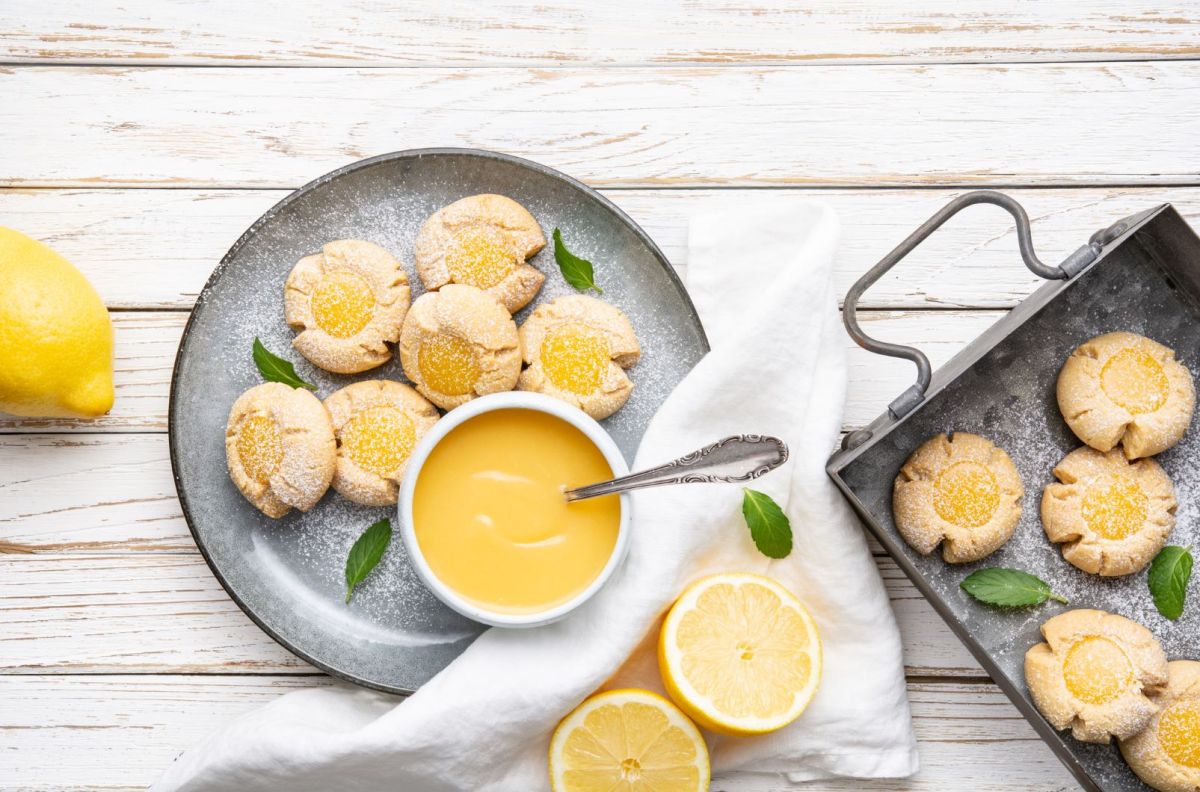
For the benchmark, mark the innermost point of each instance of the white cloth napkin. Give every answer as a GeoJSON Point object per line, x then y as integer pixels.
{"type": "Point", "coordinates": [761, 278]}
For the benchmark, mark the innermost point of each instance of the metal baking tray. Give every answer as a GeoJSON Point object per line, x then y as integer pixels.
{"type": "Point", "coordinates": [1142, 274]}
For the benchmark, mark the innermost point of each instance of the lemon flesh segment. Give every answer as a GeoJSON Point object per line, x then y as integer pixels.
{"type": "Point", "coordinates": [740, 654]}
{"type": "Point", "coordinates": [342, 303]}
{"type": "Point", "coordinates": [448, 365]}
{"type": "Point", "coordinates": [1135, 381]}
{"type": "Point", "coordinates": [56, 339]}
{"type": "Point", "coordinates": [479, 258]}
{"type": "Point", "coordinates": [575, 358]}
{"type": "Point", "coordinates": [1115, 507]}
{"type": "Point", "coordinates": [1096, 670]}
{"type": "Point", "coordinates": [629, 740]}
{"type": "Point", "coordinates": [1179, 733]}
{"type": "Point", "coordinates": [966, 494]}
{"type": "Point", "coordinates": [379, 440]}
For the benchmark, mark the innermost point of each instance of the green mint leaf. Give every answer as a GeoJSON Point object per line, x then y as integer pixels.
{"type": "Point", "coordinates": [365, 554]}
{"type": "Point", "coordinates": [1008, 588]}
{"type": "Point", "coordinates": [1168, 579]}
{"type": "Point", "coordinates": [275, 369]}
{"type": "Point", "coordinates": [769, 526]}
{"type": "Point", "coordinates": [577, 271]}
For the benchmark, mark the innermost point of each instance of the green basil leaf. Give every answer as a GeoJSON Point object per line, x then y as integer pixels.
{"type": "Point", "coordinates": [577, 271]}
{"type": "Point", "coordinates": [275, 369]}
{"type": "Point", "coordinates": [364, 556]}
{"type": "Point", "coordinates": [769, 526]}
{"type": "Point", "coordinates": [1168, 579]}
{"type": "Point", "coordinates": [1008, 588]}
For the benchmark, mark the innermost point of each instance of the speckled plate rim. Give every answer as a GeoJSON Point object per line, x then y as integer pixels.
{"type": "Point", "coordinates": [249, 233]}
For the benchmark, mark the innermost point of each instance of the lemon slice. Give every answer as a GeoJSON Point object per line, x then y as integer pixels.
{"type": "Point", "coordinates": [740, 654]}
{"type": "Point", "coordinates": [628, 740]}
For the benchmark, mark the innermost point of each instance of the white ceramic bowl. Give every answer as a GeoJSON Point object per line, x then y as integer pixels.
{"type": "Point", "coordinates": [506, 401]}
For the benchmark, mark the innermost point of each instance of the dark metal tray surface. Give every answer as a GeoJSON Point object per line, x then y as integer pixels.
{"type": "Point", "coordinates": [1141, 275]}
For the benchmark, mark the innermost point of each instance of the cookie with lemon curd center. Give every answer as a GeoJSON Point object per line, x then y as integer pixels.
{"type": "Point", "coordinates": [346, 304]}
{"type": "Point", "coordinates": [740, 654]}
{"type": "Point", "coordinates": [1096, 674]}
{"type": "Point", "coordinates": [960, 491]}
{"type": "Point", "coordinates": [482, 241]}
{"type": "Point", "coordinates": [458, 343]}
{"type": "Point", "coordinates": [1128, 390]}
{"type": "Point", "coordinates": [577, 349]}
{"type": "Point", "coordinates": [630, 740]}
{"type": "Point", "coordinates": [1166, 754]}
{"type": "Point", "coordinates": [280, 448]}
{"type": "Point", "coordinates": [1111, 516]}
{"type": "Point", "coordinates": [376, 423]}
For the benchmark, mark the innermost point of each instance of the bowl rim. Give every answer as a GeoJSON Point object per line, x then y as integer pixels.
{"type": "Point", "coordinates": [519, 400]}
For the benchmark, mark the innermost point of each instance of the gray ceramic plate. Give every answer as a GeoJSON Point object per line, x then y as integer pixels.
{"type": "Point", "coordinates": [287, 574]}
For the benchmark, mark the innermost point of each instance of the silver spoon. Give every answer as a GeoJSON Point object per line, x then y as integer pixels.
{"type": "Point", "coordinates": [737, 458]}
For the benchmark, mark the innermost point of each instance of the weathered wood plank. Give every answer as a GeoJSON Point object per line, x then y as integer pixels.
{"type": "Point", "coordinates": [363, 32]}
{"type": "Point", "coordinates": [119, 732]}
{"type": "Point", "coordinates": [146, 342]}
{"type": "Point", "coordinates": [145, 248]}
{"type": "Point", "coordinates": [78, 613]}
{"type": "Point", "coordinates": [640, 126]}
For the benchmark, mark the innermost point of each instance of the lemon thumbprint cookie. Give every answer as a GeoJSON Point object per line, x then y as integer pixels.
{"type": "Point", "coordinates": [376, 423]}
{"type": "Point", "coordinates": [458, 343]}
{"type": "Point", "coordinates": [960, 491]}
{"type": "Point", "coordinates": [1124, 388]}
{"type": "Point", "coordinates": [347, 302]}
{"type": "Point", "coordinates": [1110, 515]}
{"type": "Point", "coordinates": [1166, 754]}
{"type": "Point", "coordinates": [1095, 673]}
{"type": "Point", "coordinates": [482, 241]}
{"type": "Point", "coordinates": [279, 447]}
{"type": "Point", "coordinates": [577, 349]}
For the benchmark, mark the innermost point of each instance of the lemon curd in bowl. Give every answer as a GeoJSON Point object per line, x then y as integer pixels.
{"type": "Point", "coordinates": [486, 520]}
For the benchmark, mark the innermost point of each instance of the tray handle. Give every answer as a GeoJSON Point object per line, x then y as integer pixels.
{"type": "Point", "coordinates": [907, 401]}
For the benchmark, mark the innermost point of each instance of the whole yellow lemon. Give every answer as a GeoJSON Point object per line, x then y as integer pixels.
{"type": "Point", "coordinates": [56, 340]}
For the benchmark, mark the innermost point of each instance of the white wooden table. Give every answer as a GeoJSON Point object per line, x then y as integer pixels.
{"type": "Point", "coordinates": [140, 139]}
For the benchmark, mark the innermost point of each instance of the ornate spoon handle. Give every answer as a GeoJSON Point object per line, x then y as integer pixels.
{"type": "Point", "coordinates": [737, 458]}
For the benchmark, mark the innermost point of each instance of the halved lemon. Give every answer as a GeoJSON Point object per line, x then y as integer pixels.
{"type": "Point", "coordinates": [740, 654]}
{"type": "Point", "coordinates": [628, 740]}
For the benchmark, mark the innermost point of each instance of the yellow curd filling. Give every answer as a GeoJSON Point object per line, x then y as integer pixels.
{"type": "Point", "coordinates": [479, 257]}
{"type": "Point", "coordinates": [1179, 733]}
{"type": "Point", "coordinates": [966, 494]}
{"type": "Point", "coordinates": [491, 519]}
{"type": "Point", "coordinates": [448, 365]}
{"type": "Point", "coordinates": [1135, 381]}
{"type": "Point", "coordinates": [342, 303]}
{"type": "Point", "coordinates": [379, 440]}
{"type": "Point", "coordinates": [1096, 670]}
{"type": "Point", "coordinates": [1115, 507]}
{"type": "Point", "coordinates": [575, 358]}
{"type": "Point", "coordinates": [260, 447]}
